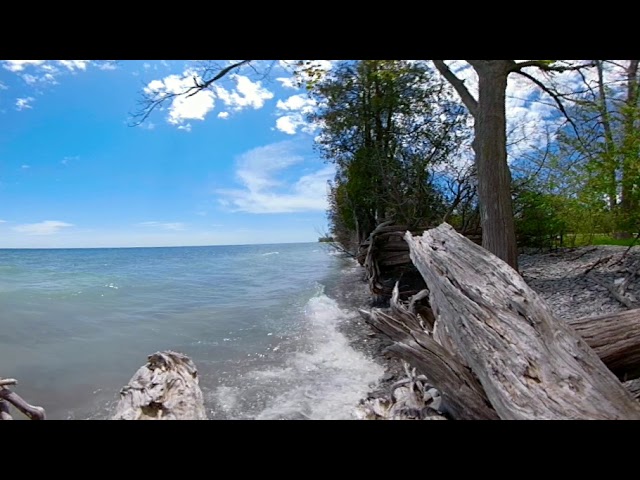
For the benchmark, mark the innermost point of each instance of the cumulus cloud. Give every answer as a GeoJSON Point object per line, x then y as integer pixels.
{"type": "Point", "coordinates": [296, 108]}
{"type": "Point", "coordinates": [19, 65]}
{"type": "Point", "coordinates": [74, 64]}
{"type": "Point", "coordinates": [176, 226]}
{"type": "Point", "coordinates": [45, 72]}
{"type": "Point", "coordinates": [262, 172]}
{"type": "Point", "coordinates": [107, 65]}
{"type": "Point", "coordinates": [182, 107]}
{"type": "Point", "coordinates": [24, 103]}
{"type": "Point", "coordinates": [246, 94]}
{"type": "Point", "coordinates": [48, 227]}
{"type": "Point", "coordinates": [288, 82]}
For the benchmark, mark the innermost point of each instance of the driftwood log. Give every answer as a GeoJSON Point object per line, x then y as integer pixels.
{"type": "Point", "coordinates": [615, 338]}
{"type": "Point", "coordinates": [166, 388]}
{"type": "Point", "coordinates": [529, 364]}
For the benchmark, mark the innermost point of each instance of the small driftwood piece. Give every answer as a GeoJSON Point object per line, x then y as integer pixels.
{"type": "Point", "coordinates": [634, 388]}
{"type": "Point", "coordinates": [462, 395]}
{"type": "Point", "coordinates": [166, 388]}
{"type": "Point", "coordinates": [530, 364]}
{"type": "Point", "coordinates": [614, 292]}
{"type": "Point", "coordinates": [9, 397]}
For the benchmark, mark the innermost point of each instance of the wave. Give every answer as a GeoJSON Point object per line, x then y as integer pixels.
{"type": "Point", "coordinates": [270, 253]}
{"type": "Point", "coordinates": [324, 380]}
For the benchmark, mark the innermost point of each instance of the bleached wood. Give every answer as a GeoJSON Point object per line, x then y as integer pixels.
{"type": "Point", "coordinates": [530, 364]}
{"type": "Point", "coordinates": [166, 388]}
{"type": "Point", "coordinates": [615, 337]}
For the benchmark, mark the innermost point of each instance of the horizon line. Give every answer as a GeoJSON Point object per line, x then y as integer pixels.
{"type": "Point", "coordinates": [160, 246]}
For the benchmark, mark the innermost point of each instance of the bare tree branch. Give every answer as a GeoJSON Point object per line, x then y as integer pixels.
{"type": "Point", "coordinates": [151, 101]}
{"type": "Point", "coordinates": [470, 102]}
{"type": "Point", "coordinates": [553, 95]}
{"type": "Point", "coordinates": [547, 67]}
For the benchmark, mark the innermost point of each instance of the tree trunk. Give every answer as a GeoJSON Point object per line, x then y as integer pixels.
{"type": "Point", "coordinates": [494, 177]}
{"type": "Point", "coordinates": [530, 364]}
{"type": "Point", "coordinates": [630, 151]}
{"type": "Point", "coordinates": [609, 153]}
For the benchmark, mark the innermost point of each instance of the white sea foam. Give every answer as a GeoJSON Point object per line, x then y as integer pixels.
{"type": "Point", "coordinates": [270, 253]}
{"type": "Point", "coordinates": [325, 380]}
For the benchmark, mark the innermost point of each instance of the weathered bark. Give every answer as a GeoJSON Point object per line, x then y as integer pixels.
{"type": "Point", "coordinates": [490, 146]}
{"type": "Point", "coordinates": [166, 388]}
{"type": "Point", "coordinates": [609, 153]}
{"type": "Point", "coordinates": [530, 364]}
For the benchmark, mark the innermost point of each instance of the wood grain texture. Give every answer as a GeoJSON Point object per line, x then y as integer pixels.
{"type": "Point", "coordinates": [615, 337]}
{"type": "Point", "coordinates": [166, 388]}
{"type": "Point", "coordinates": [462, 395]}
{"type": "Point", "coordinates": [530, 364]}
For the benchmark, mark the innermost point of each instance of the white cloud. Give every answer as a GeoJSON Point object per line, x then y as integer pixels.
{"type": "Point", "coordinates": [288, 124]}
{"type": "Point", "coordinates": [297, 107]}
{"type": "Point", "coordinates": [186, 128]}
{"type": "Point", "coordinates": [107, 65]}
{"type": "Point", "coordinates": [48, 227]}
{"type": "Point", "coordinates": [288, 82]}
{"type": "Point", "coordinates": [74, 64]}
{"type": "Point", "coordinates": [3, 221]}
{"type": "Point", "coordinates": [298, 102]}
{"type": "Point", "coordinates": [43, 72]}
{"type": "Point", "coordinates": [263, 192]}
{"type": "Point", "coordinates": [176, 226]}
{"type": "Point", "coordinates": [23, 103]}
{"type": "Point", "coordinates": [246, 94]}
{"type": "Point", "coordinates": [19, 65]}
{"type": "Point", "coordinates": [146, 66]}
{"type": "Point", "coordinates": [25, 167]}
{"type": "Point", "coordinates": [182, 107]}
{"type": "Point", "coordinates": [3, 86]}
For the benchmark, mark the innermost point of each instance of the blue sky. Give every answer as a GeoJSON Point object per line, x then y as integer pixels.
{"type": "Point", "coordinates": [233, 165]}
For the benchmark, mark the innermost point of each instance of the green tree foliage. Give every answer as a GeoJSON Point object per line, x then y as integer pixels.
{"type": "Point", "coordinates": [604, 144]}
{"type": "Point", "coordinates": [384, 124]}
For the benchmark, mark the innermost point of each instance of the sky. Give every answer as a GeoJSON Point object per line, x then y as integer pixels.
{"type": "Point", "coordinates": [231, 165]}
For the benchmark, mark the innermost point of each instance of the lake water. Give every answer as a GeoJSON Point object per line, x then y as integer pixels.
{"type": "Point", "coordinates": [261, 323]}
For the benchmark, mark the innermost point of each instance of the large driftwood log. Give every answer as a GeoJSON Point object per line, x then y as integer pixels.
{"type": "Point", "coordinates": [615, 338]}
{"type": "Point", "coordinates": [166, 388]}
{"type": "Point", "coordinates": [530, 364]}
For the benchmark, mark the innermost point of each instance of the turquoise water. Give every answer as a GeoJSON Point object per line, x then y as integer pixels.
{"type": "Point", "coordinates": [260, 322]}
